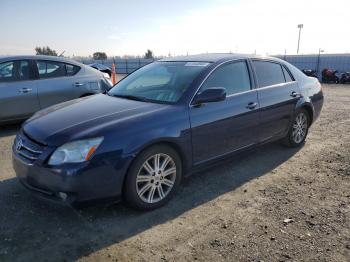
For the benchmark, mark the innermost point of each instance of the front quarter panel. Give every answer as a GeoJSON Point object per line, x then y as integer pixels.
{"type": "Point", "coordinates": [124, 141]}
{"type": "Point", "coordinates": [169, 125]}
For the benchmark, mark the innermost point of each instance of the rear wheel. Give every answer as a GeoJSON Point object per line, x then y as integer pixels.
{"type": "Point", "coordinates": [153, 178]}
{"type": "Point", "coordinates": [299, 129]}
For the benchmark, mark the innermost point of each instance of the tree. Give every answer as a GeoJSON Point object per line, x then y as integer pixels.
{"type": "Point", "coordinates": [99, 56]}
{"type": "Point", "coordinates": [149, 54]}
{"type": "Point", "coordinates": [45, 51]}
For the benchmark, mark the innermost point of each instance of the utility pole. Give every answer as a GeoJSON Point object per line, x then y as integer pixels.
{"type": "Point", "coordinates": [300, 26]}
{"type": "Point", "coordinates": [318, 59]}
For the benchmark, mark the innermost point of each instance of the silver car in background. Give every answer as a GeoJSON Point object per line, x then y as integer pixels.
{"type": "Point", "coordinates": [31, 83]}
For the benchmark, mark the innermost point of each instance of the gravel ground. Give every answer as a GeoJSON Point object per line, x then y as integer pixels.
{"type": "Point", "coordinates": [272, 204]}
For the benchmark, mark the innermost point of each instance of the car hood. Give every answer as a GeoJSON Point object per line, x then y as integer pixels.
{"type": "Point", "coordinates": [74, 119]}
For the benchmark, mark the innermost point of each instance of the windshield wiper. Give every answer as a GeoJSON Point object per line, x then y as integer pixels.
{"type": "Point", "coordinates": [131, 97]}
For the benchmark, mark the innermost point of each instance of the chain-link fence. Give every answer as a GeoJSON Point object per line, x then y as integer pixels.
{"type": "Point", "coordinates": [123, 66]}
{"type": "Point", "coordinates": [340, 62]}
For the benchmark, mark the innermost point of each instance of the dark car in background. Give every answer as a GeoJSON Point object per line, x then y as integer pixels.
{"type": "Point", "coordinates": [102, 68]}
{"type": "Point", "coordinates": [161, 123]}
{"type": "Point", "coordinates": [31, 83]}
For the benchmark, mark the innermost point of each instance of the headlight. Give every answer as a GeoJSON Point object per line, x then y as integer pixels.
{"type": "Point", "coordinates": [75, 152]}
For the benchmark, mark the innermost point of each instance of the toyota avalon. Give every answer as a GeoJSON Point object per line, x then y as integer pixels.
{"type": "Point", "coordinates": [140, 139]}
{"type": "Point", "coordinates": [31, 83]}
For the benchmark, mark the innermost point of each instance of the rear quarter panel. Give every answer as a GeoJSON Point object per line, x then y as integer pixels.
{"type": "Point", "coordinates": [311, 91]}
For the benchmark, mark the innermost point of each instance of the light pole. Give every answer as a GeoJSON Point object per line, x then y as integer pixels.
{"type": "Point", "coordinates": [300, 26]}
{"type": "Point", "coordinates": [318, 59]}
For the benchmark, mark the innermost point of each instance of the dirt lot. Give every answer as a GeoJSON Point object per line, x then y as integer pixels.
{"type": "Point", "coordinates": [274, 204]}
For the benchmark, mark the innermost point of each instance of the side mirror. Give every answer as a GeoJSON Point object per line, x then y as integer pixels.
{"type": "Point", "coordinates": [214, 94]}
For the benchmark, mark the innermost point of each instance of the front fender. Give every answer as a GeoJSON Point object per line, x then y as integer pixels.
{"type": "Point", "coordinates": [180, 140]}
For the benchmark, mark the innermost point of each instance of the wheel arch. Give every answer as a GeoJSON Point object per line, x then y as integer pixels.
{"type": "Point", "coordinates": [308, 107]}
{"type": "Point", "coordinates": [310, 112]}
{"type": "Point", "coordinates": [168, 143]}
{"type": "Point", "coordinates": [175, 146]}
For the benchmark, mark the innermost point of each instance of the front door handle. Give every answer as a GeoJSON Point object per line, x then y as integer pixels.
{"type": "Point", "coordinates": [78, 84]}
{"type": "Point", "coordinates": [294, 94]}
{"type": "Point", "coordinates": [252, 105]}
{"type": "Point", "coordinates": [25, 90]}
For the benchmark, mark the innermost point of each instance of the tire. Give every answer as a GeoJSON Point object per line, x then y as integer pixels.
{"type": "Point", "coordinates": [292, 139]}
{"type": "Point", "coordinates": [145, 188]}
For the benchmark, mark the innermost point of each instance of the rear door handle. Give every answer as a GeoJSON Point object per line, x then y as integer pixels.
{"type": "Point", "coordinates": [25, 90]}
{"type": "Point", "coordinates": [78, 84]}
{"type": "Point", "coordinates": [252, 105]}
{"type": "Point", "coordinates": [294, 94]}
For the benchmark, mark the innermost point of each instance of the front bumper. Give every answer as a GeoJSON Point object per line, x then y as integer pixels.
{"type": "Point", "coordinates": [69, 183]}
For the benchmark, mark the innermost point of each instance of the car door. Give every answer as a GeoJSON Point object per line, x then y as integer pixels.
{"type": "Point", "coordinates": [278, 95]}
{"type": "Point", "coordinates": [219, 128]}
{"type": "Point", "coordinates": [18, 90]}
{"type": "Point", "coordinates": [57, 82]}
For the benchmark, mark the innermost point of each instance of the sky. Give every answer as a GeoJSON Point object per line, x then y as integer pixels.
{"type": "Point", "coordinates": [175, 27]}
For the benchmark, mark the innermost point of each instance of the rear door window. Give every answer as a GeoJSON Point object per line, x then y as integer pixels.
{"type": "Point", "coordinates": [50, 69]}
{"type": "Point", "coordinates": [268, 73]}
{"type": "Point", "coordinates": [53, 69]}
{"type": "Point", "coordinates": [71, 70]}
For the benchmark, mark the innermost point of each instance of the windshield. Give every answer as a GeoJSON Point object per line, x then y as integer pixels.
{"type": "Point", "coordinates": [163, 82]}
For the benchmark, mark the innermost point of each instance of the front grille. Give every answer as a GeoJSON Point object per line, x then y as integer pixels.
{"type": "Point", "coordinates": [27, 148]}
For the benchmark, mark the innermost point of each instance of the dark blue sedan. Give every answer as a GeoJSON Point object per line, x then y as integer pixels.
{"type": "Point", "coordinates": [159, 124]}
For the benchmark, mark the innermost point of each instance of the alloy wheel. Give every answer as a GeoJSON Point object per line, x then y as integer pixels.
{"type": "Point", "coordinates": [156, 178]}
{"type": "Point", "coordinates": [299, 128]}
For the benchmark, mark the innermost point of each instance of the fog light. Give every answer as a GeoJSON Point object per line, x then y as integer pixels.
{"type": "Point", "coordinates": [62, 195]}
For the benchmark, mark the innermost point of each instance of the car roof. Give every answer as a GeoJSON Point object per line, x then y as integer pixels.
{"type": "Point", "coordinates": [39, 57]}
{"type": "Point", "coordinates": [211, 57]}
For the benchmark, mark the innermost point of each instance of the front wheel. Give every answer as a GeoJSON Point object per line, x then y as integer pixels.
{"type": "Point", "coordinates": [299, 129]}
{"type": "Point", "coordinates": [153, 178]}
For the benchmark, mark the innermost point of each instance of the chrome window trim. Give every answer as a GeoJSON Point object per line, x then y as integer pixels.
{"type": "Point", "coordinates": [272, 86]}
{"type": "Point", "coordinates": [240, 93]}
